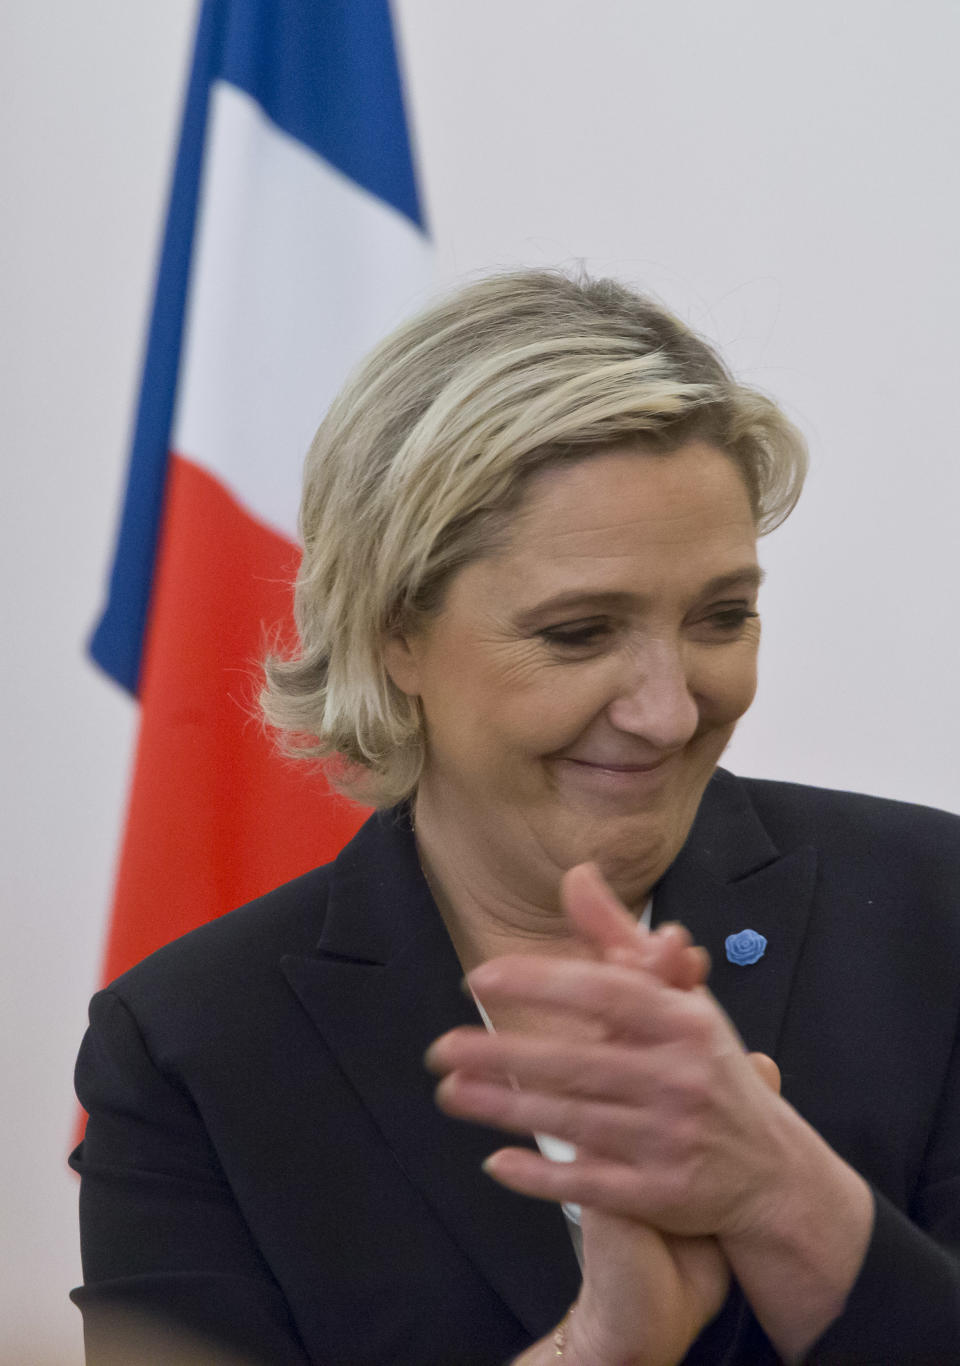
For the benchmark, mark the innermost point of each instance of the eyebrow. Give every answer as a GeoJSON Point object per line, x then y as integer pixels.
{"type": "Point", "coordinates": [750, 577]}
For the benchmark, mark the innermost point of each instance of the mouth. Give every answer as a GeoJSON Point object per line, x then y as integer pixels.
{"type": "Point", "coordinates": [610, 766]}
{"type": "Point", "coordinates": [617, 779]}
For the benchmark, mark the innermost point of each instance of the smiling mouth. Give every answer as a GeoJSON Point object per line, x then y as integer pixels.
{"type": "Point", "coordinates": [618, 780]}
{"type": "Point", "coordinates": [605, 767]}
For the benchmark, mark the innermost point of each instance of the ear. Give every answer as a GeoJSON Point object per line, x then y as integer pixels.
{"type": "Point", "coordinates": [400, 662]}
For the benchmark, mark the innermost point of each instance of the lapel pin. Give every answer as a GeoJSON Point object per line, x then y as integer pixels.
{"type": "Point", "coordinates": [745, 948]}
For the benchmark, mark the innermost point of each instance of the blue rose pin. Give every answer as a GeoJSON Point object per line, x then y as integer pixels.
{"type": "Point", "coordinates": [745, 948]}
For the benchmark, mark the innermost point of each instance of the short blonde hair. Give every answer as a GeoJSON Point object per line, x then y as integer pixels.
{"type": "Point", "coordinates": [425, 453]}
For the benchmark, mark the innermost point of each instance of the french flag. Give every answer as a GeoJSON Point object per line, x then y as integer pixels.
{"type": "Point", "coordinates": [295, 239]}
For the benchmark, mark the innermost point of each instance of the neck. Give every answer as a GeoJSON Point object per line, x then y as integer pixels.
{"type": "Point", "coordinates": [485, 915]}
{"type": "Point", "coordinates": [489, 906]}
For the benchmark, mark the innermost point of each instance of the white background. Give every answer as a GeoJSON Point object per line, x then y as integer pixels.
{"type": "Point", "coordinates": [784, 176]}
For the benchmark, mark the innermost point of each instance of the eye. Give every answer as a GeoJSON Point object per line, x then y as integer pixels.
{"type": "Point", "coordinates": [730, 619]}
{"type": "Point", "coordinates": [577, 635]}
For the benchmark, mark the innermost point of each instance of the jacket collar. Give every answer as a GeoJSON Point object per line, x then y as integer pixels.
{"type": "Point", "coordinates": [731, 877]}
{"type": "Point", "coordinates": [385, 982]}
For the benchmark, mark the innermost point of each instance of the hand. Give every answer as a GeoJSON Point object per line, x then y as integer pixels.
{"type": "Point", "coordinates": [646, 1295]}
{"type": "Point", "coordinates": [674, 1125]}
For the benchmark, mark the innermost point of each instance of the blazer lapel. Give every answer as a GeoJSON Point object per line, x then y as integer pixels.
{"type": "Point", "coordinates": [728, 878]}
{"type": "Point", "coordinates": [384, 984]}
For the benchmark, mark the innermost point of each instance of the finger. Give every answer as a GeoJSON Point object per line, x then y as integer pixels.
{"type": "Point", "coordinates": [587, 1181]}
{"type": "Point", "coordinates": [627, 1003]}
{"type": "Point", "coordinates": [667, 953]}
{"type": "Point", "coordinates": [662, 951]}
{"type": "Point", "coordinates": [601, 918]}
{"type": "Point", "coordinates": [766, 1069]}
{"type": "Point", "coordinates": [693, 968]}
{"type": "Point", "coordinates": [609, 1130]}
{"type": "Point", "coordinates": [600, 1072]}
{"type": "Point", "coordinates": [596, 912]}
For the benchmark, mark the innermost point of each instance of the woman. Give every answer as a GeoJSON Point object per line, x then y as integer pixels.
{"type": "Point", "coordinates": [527, 611]}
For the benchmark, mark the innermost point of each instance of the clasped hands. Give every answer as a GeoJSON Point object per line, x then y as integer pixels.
{"type": "Point", "coordinates": [675, 1126]}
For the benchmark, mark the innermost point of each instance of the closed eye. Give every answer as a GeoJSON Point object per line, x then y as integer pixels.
{"type": "Point", "coordinates": [730, 620]}
{"type": "Point", "coordinates": [577, 635]}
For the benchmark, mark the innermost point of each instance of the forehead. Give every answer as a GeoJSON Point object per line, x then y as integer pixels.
{"type": "Point", "coordinates": [691, 505]}
{"type": "Point", "coordinates": [646, 528]}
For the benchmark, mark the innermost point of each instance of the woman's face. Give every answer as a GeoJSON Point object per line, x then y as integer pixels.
{"type": "Point", "coordinates": [580, 684]}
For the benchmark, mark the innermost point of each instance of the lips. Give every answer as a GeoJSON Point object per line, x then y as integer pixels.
{"type": "Point", "coordinates": [618, 766]}
{"type": "Point", "coordinates": [617, 780]}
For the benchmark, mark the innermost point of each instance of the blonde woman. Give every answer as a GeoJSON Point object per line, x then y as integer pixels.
{"type": "Point", "coordinates": [528, 622]}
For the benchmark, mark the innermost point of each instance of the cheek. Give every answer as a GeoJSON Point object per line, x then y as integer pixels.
{"type": "Point", "coordinates": [724, 684]}
{"type": "Point", "coordinates": [562, 701]}
{"type": "Point", "coordinates": [536, 715]}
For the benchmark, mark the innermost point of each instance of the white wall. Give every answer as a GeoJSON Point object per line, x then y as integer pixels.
{"type": "Point", "coordinates": [90, 101]}
{"type": "Point", "coordinates": [784, 176]}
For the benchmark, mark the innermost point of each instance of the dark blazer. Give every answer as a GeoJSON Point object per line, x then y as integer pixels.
{"type": "Point", "coordinates": [264, 1162]}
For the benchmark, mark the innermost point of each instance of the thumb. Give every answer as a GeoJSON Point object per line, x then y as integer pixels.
{"type": "Point", "coordinates": [766, 1069]}
{"type": "Point", "coordinates": [595, 911]}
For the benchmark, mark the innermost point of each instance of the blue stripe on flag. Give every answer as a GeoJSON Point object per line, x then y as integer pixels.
{"type": "Point", "coordinates": [325, 71]}
{"type": "Point", "coordinates": [117, 641]}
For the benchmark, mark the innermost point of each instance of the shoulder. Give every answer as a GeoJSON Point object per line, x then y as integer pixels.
{"type": "Point", "coordinates": [288, 919]}
{"type": "Point", "coordinates": [229, 977]}
{"type": "Point", "coordinates": [887, 850]}
{"type": "Point", "coordinates": [225, 972]}
{"type": "Point", "coordinates": [794, 813]}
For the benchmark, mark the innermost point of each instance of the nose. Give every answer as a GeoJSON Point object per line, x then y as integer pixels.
{"type": "Point", "coordinates": [656, 704]}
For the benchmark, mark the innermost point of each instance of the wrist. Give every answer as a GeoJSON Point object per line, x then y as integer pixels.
{"type": "Point", "coordinates": [585, 1339]}
{"type": "Point", "coordinates": [799, 1248]}
{"type": "Point", "coordinates": [552, 1347]}
{"type": "Point", "coordinates": [561, 1331]}
{"type": "Point", "coordinates": [811, 1189]}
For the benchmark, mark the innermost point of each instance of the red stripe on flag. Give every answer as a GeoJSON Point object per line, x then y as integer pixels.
{"type": "Point", "coordinates": [216, 816]}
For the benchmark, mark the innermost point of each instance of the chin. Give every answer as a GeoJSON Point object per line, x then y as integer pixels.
{"type": "Point", "coordinates": [633, 857]}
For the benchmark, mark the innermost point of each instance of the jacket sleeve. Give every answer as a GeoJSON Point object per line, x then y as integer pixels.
{"type": "Point", "coordinates": [905, 1304]}
{"type": "Point", "coordinates": [171, 1271]}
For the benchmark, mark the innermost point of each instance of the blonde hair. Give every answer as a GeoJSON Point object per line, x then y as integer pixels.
{"type": "Point", "coordinates": [425, 453]}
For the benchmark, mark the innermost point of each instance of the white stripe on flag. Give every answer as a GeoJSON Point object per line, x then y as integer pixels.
{"type": "Point", "coordinates": [297, 273]}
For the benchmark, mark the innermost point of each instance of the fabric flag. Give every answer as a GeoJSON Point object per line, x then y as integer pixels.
{"type": "Point", "coordinates": [294, 241]}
